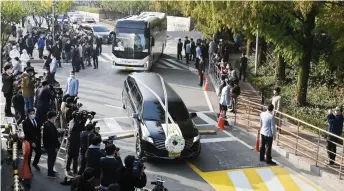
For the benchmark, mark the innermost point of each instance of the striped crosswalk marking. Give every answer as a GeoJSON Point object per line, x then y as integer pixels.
{"type": "Point", "coordinates": [107, 56]}
{"type": "Point", "coordinates": [101, 59]}
{"type": "Point", "coordinates": [113, 125]}
{"type": "Point", "coordinates": [256, 179]}
{"type": "Point", "coordinates": [168, 64]}
{"type": "Point", "coordinates": [177, 63]}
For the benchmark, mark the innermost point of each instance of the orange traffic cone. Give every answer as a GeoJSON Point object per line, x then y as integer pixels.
{"type": "Point", "coordinates": [206, 86]}
{"type": "Point", "coordinates": [221, 122]}
{"type": "Point", "coordinates": [257, 142]}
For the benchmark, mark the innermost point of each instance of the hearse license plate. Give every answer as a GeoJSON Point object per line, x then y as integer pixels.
{"type": "Point", "coordinates": [173, 154]}
{"type": "Point", "coordinates": [129, 68]}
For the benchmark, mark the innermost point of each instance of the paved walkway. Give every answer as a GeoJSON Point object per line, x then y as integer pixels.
{"type": "Point", "coordinates": [249, 122]}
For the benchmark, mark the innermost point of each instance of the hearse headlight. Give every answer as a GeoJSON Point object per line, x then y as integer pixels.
{"type": "Point", "coordinates": [195, 139]}
{"type": "Point", "coordinates": [146, 134]}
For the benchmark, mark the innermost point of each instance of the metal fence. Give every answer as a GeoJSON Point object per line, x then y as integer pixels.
{"type": "Point", "coordinates": [12, 137]}
{"type": "Point", "coordinates": [310, 143]}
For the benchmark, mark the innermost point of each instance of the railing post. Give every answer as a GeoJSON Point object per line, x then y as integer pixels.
{"type": "Point", "coordinates": [297, 137]}
{"type": "Point", "coordinates": [318, 147]}
{"type": "Point", "coordinates": [341, 162]}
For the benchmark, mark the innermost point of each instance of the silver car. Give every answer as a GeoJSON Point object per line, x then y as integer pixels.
{"type": "Point", "coordinates": [99, 31]}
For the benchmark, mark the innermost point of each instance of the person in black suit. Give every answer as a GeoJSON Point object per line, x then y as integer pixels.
{"type": "Point", "coordinates": [51, 142]}
{"type": "Point", "coordinates": [43, 98]}
{"type": "Point", "coordinates": [179, 49]}
{"type": "Point", "coordinates": [76, 125]}
{"type": "Point", "coordinates": [7, 88]}
{"type": "Point", "coordinates": [93, 156]}
{"type": "Point", "coordinates": [99, 44]}
{"type": "Point", "coordinates": [110, 166]}
{"type": "Point", "coordinates": [201, 70]}
{"type": "Point", "coordinates": [95, 54]}
{"type": "Point", "coordinates": [84, 182]}
{"type": "Point", "coordinates": [57, 50]}
{"type": "Point", "coordinates": [33, 134]}
{"type": "Point", "coordinates": [84, 144]}
{"type": "Point", "coordinates": [128, 181]}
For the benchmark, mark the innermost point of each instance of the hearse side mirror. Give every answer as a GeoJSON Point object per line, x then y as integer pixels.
{"type": "Point", "coordinates": [135, 116]}
{"type": "Point", "coordinates": [193, 115]}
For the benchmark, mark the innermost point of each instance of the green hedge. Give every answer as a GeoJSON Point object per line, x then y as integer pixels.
{"type": "Point", "coordinates": [319, 98]}
{"type": "Point", "coordinates": [87, 9]}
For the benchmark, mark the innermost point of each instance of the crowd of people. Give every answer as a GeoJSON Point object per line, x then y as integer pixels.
{"type": "Point", "coordinates": [39, 112]}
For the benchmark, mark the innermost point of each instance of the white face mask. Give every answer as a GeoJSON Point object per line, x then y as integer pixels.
{"type": "Point", "coordinates": [9, 71]}
{"type": "Point", "coordinates": [72, 75]}
{"type": "Point", "coordinates": [32, 116]}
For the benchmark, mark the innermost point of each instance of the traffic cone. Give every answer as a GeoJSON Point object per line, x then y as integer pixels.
{"type": "Point", "coordinates": [206, 86]}
{"type": "Point", "coordinates": [221, 121]}
{"type": "Point", "coordinates": [257, 142]}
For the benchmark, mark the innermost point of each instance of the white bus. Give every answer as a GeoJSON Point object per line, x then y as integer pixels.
{"type": "Point", "coordinates": [139, 41]}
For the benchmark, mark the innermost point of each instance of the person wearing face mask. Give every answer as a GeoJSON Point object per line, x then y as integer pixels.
{"type": "Point", "coordinates": [52, 68]}
{"type": "Point", "coordinates": [49, 43]}
{"type": "Point", "coordinates": [24, 58]}
{"type": "Point", "coordinates": [51, 142]}
{"type": "Point", "coordinates": [30, 45]}
{"type": "Point", "coordinates": [81, 53]}
{"type": "Point", "coordinates": [19, 31]}
{"type": "Point", "coordinates": [41, 45]}
{"type": "Point", "coordinates": [33, 134]}
{"type": "Point", "coordinates": [14, 53]}
{"type": "Point", "coordinates": [57, 52]}
{"type": "Point", "coordinates": [17, 67]}
{"type": "Point", "coordinates": [28, 88]}
{"type": "Point", "coordinates": [72, 85]}
{"type": "Point", "coordinates": [7, 88]}
{"type": "Point", "coordinates": [67, 50]}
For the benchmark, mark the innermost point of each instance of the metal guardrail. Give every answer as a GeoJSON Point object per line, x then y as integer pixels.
{"type": "Point", "coordinates": [11, 132]}
{"type": "Point", "coordinates": [290, 134]}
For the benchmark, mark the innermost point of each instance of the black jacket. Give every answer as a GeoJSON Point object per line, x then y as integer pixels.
{"type": "Point", "coordinates": [201, 67]}
{"type": "Point", "coordinates": [79, 184]}
{"type": "Point", "coordinates": [18, 102]}
{"type": "Point", "coordinates": [128, 182]}
{"type": "Point", "coordinates": [110, 170]}
{"type": "Point", "coordinates": [68, 47]}
{"type": "Point", "coordinates": [95, 52]}
{"type": "Point", "coordinates": [44, 96]}
{"type": "Point", "coordinates": [180, 46]}
{"type": "Point", "coordinates": [32, 133]}
{"type": "Point", "coordinates": [57, 52]}
{"type": "Point", "coordinates": [84, 142]}
{"type": "Point", "coordinates": [193, 46]}
{"type": "Point", "coordinates": [93, 156]}
{"type": "Point", "coordinates": [7, 83]}
{"type": "Point", "coordinates": [74, 137]}
{"type": "Point", "coordinates": [50, 136]}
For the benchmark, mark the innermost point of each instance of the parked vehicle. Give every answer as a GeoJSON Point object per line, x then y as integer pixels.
{"type": "Point", "coordinates": [87, 20]}
{"type": "Point", "coordinates": [148, 116]}
{"type": "Point", "coordinates": [62, 19]}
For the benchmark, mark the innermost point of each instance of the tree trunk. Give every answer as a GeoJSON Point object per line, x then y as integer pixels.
{"type": "Point", "coordinates": [23, 22]}
{"type": "Point", "coordinates": [280, 70]}
{"type": "Point", "coordinates": [262, 51]}
{"type": "Point", "coordinates": [248, 46]}
{"type": "Point", "coordinates": [304, 67]}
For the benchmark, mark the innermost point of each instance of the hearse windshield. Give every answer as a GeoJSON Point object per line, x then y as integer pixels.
{"type": "Point", "coordinates": [153, 111]}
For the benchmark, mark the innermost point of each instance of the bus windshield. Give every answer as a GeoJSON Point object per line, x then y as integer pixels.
{"type": "Point", "coordinates": [131, 44]}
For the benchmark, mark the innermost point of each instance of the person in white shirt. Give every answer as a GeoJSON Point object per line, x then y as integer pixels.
{"type": "Point", "coordinates": [267, 134]}
{"type": "Point", "coordinates": [225, 98]}
{"type": "Point", "coordinates": [14, 53]}
{"type": "Point", "coordinates": [28, 27]}
{"type": "Point", "coordinates": [24, 58]}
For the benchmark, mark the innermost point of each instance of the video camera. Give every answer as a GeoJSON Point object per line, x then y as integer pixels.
{"type": "Point", "coordinates": [109, 140]}
{"type": "Point", "coordinates": [138, 166]}
{"type": "Point", "coordinates": [159, 184]}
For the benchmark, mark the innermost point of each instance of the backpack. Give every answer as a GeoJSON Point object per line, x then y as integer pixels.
{"type": "Point", "coordinates": [235, 91]}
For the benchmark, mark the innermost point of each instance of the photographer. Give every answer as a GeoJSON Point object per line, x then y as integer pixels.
{"type": "Point", "coordinates": [93, 156]}
{"type": "Point", "coordinates": [130, 179]}
{"type": "Point", "coordinates": [84, 182]}
{"type": "Point", "coordinates": [110, 166]}
{"type": "Point", "coordinates": [69, 109]}
{"type": "Point", "coordinates": [84, 144]}
{"type": "Point", "coordinates": [75, 126]}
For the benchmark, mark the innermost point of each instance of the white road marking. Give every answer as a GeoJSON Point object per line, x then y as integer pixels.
{"type": "Point", "coordinates": [189, 87]}
{"type": "Point", "coordinates": [118, 107]}
{"type": "Point", "coordinates": [101, 59]}
{"type": "Point", "coordinates": [270, 179]}
{"type": "Point", "coordinates": [202, 125]}
{"type": "Point", "coordinates": [113, 125]}
{"type": "Point", "coordinates": [107, 56]}
{"type": "Point", "coordinates": [216, 140]}
{"type": "Point", "coordinates": [242, 142]}
{"type": "Point", "coordinates": [115, 133]}
{"type": "Point", "coordinates": [177, 63]}
{"type": "Point", "coordinates": [207, 119]}
{"type": "Point", "coordinates": [208, 101]}
{"type": "Point", "coordinates": [302, 184]}
{"type": "Point", "coordinates": [240, 181]}
{"type": "Point", "coordinates": [170, 65]}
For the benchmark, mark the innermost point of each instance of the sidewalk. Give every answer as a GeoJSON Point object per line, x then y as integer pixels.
{"type": "Point", "coordinates": [249, 124]}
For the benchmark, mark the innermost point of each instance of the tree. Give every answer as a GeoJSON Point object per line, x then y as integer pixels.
{"type": "Point", "coordinates": [126, 7]}
{"type": "Point", "coordinates": [11, 12]}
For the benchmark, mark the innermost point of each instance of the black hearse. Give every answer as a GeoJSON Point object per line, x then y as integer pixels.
{"type": "Point", "coordinates": [148, 116]}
